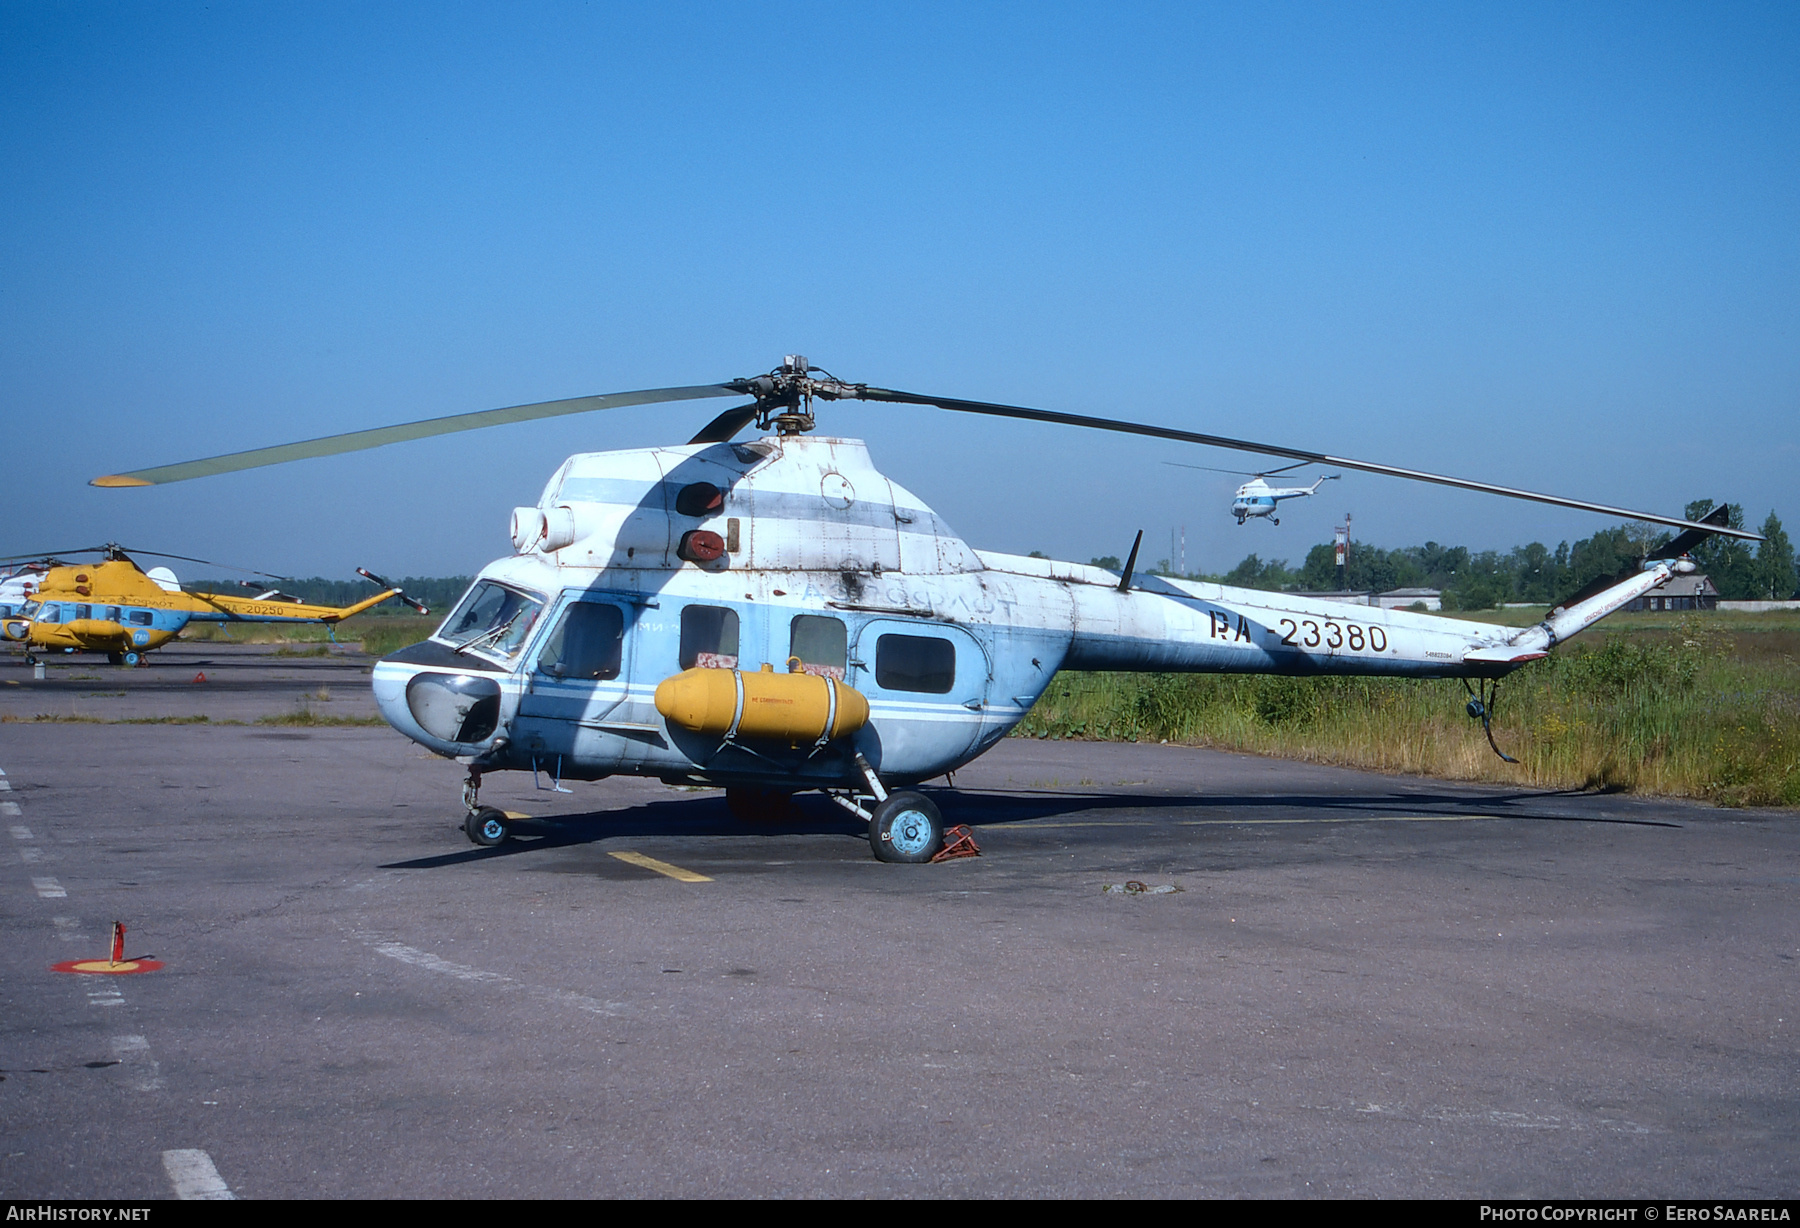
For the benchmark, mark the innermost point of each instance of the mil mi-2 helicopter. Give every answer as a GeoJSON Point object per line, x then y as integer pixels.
{"type": "Point", "coordinates": [18, 581]}
{"type": "Point", "coordinates": [775, 616]}
{"type": "Point", "coordinates": [116, 607]}
{"type": "Point", "coordinates": [1256, 497]}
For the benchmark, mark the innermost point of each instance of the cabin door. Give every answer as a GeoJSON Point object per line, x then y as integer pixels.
{"type": "Point", "coordinates": [927, 686]}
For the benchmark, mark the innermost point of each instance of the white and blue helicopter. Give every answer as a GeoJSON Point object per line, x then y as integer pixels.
{"type": "Point", "coordinates": [775, 616]}
{"type": "Point", "coordinates": [1256, 497]}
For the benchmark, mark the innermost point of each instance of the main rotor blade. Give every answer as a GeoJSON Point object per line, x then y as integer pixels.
{"type": "Point", "coordinates": [1266, 473]}
{"type": "Point", "coordinates": [727, 424]}
{"type": "Point", "coordinates": [46, 554]}
{"type": "Point", "coordinates": [356, 441]}
{"type": "Point", "coordinates": [1267, 449]}
{"type": "Point", "coordinates": [188, 558]}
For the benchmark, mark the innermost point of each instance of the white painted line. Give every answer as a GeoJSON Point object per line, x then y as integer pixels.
{"type": "Point", "coordinates": [423, 959]}
{"type": "Point", "coordinates": [21, 832]}
{"type": "Point", "coordinates": [10, 808]}
{"type": "Point", "coordinates": [432, 963]}
{"type": "Point", "coordinates": [134, 1055]}
{"type": "Point", "coordinates": [5, 784]}
{"type": "Point", "coordinates": [192, 1174]}
{"type": "Point", "coordinates": [49, 888]}
{"type": "Point", "coordinates": [67, 928]}
{"type": "Point", "coordinates": [105, 997]}
{"type": "Point", "coordinates": [31, 854]}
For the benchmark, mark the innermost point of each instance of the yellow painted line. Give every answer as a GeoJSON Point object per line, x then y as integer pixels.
{"type": "Point", "coordinates": [515, 814]}
{"type": "Point", "coordinates": [662, 867]}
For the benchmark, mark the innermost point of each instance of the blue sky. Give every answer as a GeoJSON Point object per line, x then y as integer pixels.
{"type": "Point", "coordinates": [1551, 246]}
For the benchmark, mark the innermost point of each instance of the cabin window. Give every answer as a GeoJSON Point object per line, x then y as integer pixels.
{"type": "Point", "coordinates": [84, 611]}
{"type": "Point", "coordinates": [709, 637]}
{"type": "Point", "coordinates": [587, 645]}
{"type": "Point", "coordinates": [822, 644]}
{"type": "Point", "coordinates": [42, 613]}
{"type": "Point", "coordinates": [915, 663]}
{"type": "Point", "coordinates": [493, 618]}
{"type": "Point", "coordinates": [112, 613]}
{"type": "Point", "coordinates": [140, 618]}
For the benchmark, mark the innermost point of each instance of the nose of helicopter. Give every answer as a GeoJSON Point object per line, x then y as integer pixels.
{"type": "Point", "coordinates": [453, 712]}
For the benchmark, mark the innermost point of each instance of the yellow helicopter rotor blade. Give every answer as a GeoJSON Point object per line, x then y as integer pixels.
{"type": "Point", "coordinates": [356, 441]}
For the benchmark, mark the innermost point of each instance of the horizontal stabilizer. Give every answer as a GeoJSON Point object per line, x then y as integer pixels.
{"type": "Point", "coordinates": [1504, 655]}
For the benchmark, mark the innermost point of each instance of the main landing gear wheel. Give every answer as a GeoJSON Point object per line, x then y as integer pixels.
{"type": "Point", "coordinates": [906, 827]}
{"type": "Point", "coordinates": [487, 827]}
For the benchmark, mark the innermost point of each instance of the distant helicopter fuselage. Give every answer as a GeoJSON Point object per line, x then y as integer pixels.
{"type": "Point", "coordinates": [789, 571]}
{"type": "Point", "coordinates": [113, 606]}
{"type": "Point", "coordinates": [1257, 498]}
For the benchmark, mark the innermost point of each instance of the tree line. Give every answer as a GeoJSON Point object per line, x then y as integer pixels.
{"type": "Point", "coordinates": [1536, 574]}
{"type": "Point", "coordinates": [1469, 580]}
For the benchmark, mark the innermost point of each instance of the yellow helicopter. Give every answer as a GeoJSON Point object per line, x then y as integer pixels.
{"type": "Point", "coordinates": [116, 607]}
{"type": "Point", "coordinates": [777, 615]}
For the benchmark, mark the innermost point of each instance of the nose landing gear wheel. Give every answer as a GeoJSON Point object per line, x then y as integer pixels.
{"type": "Point", "coordinates": [906, 828]}
{"type": "Point", "coordinates": [487, 827]}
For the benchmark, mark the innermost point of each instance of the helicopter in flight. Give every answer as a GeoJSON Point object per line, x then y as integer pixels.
{"type": "Point", "coordinates": [776, 615]}
{"type": "Point", "coordinates": [116, 607]}
{"type": "Point", "coordinates": [1256, 497]}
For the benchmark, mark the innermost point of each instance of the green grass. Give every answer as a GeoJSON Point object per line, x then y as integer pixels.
{"type": "Point", "coordinates": [307, 717]}
{"type": "Point", "coordinates": [376, 636]}
{"type": "Point", "coordinates": [1698, 707]}
{"type": "Point", "coordinates": [394, 633]}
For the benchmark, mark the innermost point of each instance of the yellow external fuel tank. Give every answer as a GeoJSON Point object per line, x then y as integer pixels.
{"type": "Point", "coordinates": [799, 709]}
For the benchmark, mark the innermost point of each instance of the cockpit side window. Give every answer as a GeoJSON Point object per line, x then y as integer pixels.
{"type": "Point", "coordinates": [587, 645]}
{"type": "Point", "coordinates": [822, 643]}
{"type": "Point", "coordinates": [709, 637]}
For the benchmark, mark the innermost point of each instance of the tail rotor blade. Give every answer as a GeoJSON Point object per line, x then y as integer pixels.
{"type": "Point", "coordinates": [399, 592]}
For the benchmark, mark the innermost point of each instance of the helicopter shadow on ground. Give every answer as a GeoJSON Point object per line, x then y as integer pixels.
{"type": "Point", "coordinates": [1028, 805]}
{"type": "Point", "coordinates": [680, 817]}
{"type": "Point", "coordinates": [813, 816]}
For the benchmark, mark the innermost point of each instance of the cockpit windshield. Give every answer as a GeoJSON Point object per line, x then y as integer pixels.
{"type": "Point", "coordinates": [29, 609]}
{"type": "Point", "coordinates": [492, 619]}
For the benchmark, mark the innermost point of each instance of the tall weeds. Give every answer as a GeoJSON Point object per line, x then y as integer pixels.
{"type": "Point", "coordinates": [1679, 713]}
